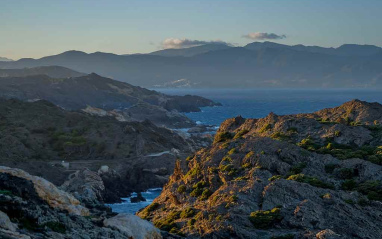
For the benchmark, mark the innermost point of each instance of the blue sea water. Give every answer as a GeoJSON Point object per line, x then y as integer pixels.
{"type": "Point", "coordinates": [255, 103]}
{"type": "Point", "coordinates": [128, 207]}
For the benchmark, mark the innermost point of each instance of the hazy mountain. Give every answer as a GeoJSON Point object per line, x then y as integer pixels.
{"type": "Point", "coordinates": [255, 65]}
{"type": "Point", "coordinates": [191, 51]}
{"type": "Point", "coordinates": [5, 59]}
{"type": "Point", "coordinates": [344, 50]}
{"type": "Point", "coordinates": [52, 71]}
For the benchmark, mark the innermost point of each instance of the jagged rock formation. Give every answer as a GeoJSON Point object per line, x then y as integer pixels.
{"type": "Point", "coordinates": [38, 136]}
{"type": "Point", "coordinates": [313, 175]}
{"type": "Point", "coordinates": [31, 207]}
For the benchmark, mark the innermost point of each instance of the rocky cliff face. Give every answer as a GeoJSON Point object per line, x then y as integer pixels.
{"type": "Point", "coordinates": [38, 136]}
{"type": "Point", "coordinates": [313, 175]}
{"type": "Point", "coordinates": [31, 207]}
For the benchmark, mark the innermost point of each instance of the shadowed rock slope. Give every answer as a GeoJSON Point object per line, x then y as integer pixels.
{"type": "Point", "coordinates": [37, 136]}
{"type": "Point", "coordinates": [295, 176]}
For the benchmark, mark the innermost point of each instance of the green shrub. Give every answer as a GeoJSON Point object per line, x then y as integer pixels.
{"type": "Point", "coordinates": [265, 127]}
{"type": "Point", "coordinates": [280, 136]}
{"type": "Point", "coordinates": [265, 219]}
{"type": "Point", "coordinates": [308, 144]}
{"type": "Point", "coordinates": [201, 184]}
{"type": "Point", "coordinates": [286, 236]}
{"type": "Point", "coordinates": [191, 222]}
{"type": "Point", "coordinates": [181, 189]}
{"type": "Point", "coordinates": [275, 177]}
{"type": "Point", "coordinates": [247, 165]}
{"type": "Point", "coordinates": [205, 194]}
{"type": "Point", "coordinates": [348, 185]}
{"type": "Point", "coordinates": [329, 168]}
{"type": "Point", "coordinates": [222, 137]}
{"type": "Point", "coordinates": [292, 130]}
{"type": "Point", "coordinates": [373, 190]}
{"type": "Point", "coordinates": [346, 173]}
{"type": "Point", "coordinates": [310, 180]}
{"type": "Point", "coordinates": [296, 169]}
{"type": "Point", "coordinates": [187, 213]}
{"type": "Point", "coordinates": [196, 192]}
{"type": "Point", "coordinates": [6, 192]}
{"type": "Point", "coordinates": [349, 201]}
{"type": "Point", "coordinates": [240, 133]}
{"type": "Point", "coordinates": [167, 223]}
{"type": "Point", "coordinates": [232, 151]}
{"type": "Point", "coordinates": [227, 159]}
{"type": "Point", "coordinates": [56, 227]}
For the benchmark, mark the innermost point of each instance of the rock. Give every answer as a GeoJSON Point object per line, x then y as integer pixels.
{"type": "Point", "coordinates": [138, 198]}
{"type": "Point", "coordinates": [327, 234]}
{"type": "Point", "coordinates": [86, 186]}
{"type": "Point", "coordinates": [5, 222]}
{"type": "Point", "coordinates": [6, 234]}
{"type": "Point", "coordinates": [48, 192]}
{"type": "Point", "coordinates": [133, 227]}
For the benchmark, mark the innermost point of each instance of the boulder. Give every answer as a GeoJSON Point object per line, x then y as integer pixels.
{"type": "Point", "coordinates": [5, 222]}
{"type": "Point", "coordinates": [87, 186]}
{"type": "Point", "coordinates": [133, 226]}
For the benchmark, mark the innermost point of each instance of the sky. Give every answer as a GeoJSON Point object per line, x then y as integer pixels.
{"type": "Point", "coordinates": [37, 28]}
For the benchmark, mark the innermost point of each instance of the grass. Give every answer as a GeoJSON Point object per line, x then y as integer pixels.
{"type": "Point", "coordinates": [240, 134]}
{"type": "Point", "coordinates": [223, 137]}
{"type": "Point", "coordinates": [6, 192]}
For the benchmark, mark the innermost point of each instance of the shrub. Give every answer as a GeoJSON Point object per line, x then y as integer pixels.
{"type": "Point", "coordinates": [227, 159]}
{"type": "Point", "coordinates": [292, 130]}
{"type": "Point", "coordinates": [206, 194]}
{"type": "Point", "coordinates": [275, 177]}
{"type": "Point", "coordinates": [372, 189]}
{"type": "Point", "coordinates": [187, 213]}
{"type": "Point", "coordinates": [191, 222]}
{"type": "Point", "coordinates": [310, 180]}
{"type": "Point", "coordinates": [181, 189]}
{"type": "Point", "coordinates": [286, 236]}
{"type": "Point", "coordinates": [265, 219]}
{"type": "Point", "coordinates": [296, 169]}
{"type": "Point", "coordinates": [348, 185]}
{"type": "Point", "coordinates": [167, 223]}
{"type": "Point", "coordinates": [346, 173]}
{"type": "Point", "coordinates": [349, 201]}
{"type": "Point", "coordinates": [247, 165]}
{"type": "Point", "coordinates": [329, 168]}
{"type": "Point", "coordinates": [240, 133]}
{"type": "Point", "coordinates": [308, 144]}
{"type": "Point", "coordinates": [280, 136]}
{"type": "Point", "coordinates": [337, 133]}
{"type": "Point", "coordinates": [232, 151]}
{"type": "Point", "coordinates": [265, 127]}
{"type": "Point", "coordinates": [222, 137]}
{"type": "Point", "coordinates": [6, 192]}
{"type": "Point", "coordinates": [196, 192]}
{"type": "Point", "coordinates": [56, 227]}
{"type": "Point", "coordinates": [200, 184]}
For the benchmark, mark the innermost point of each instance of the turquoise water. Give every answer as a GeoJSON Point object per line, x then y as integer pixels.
{"type": "Point", "coordinates": [256, 104]}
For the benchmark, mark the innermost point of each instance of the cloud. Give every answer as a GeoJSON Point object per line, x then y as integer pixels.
{"type": "Point", "coordinates": [177, 43]}
{"type": "Point", "coordinates": [263, 36]}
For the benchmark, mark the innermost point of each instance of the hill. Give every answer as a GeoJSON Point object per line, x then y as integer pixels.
{"type": "Point", "coordinates": [51, 71]}
{"type": "Point", "coordinates": [313, 175]}
{"type": "Point", "coordinates": [127, 102]}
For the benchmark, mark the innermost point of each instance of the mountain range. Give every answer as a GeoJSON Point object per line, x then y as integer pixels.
{"type": "Point", "coordinates": [257, 64]}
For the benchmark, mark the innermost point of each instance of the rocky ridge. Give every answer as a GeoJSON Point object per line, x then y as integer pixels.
{"type": "Point", "coordinates": [313, 175]}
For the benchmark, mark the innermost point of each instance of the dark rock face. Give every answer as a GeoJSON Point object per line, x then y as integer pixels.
{"type": "Point", "coordinates": [138, 198]}
{"type": "Point", "coordinates": [38, 136]}
{"type": "Point", "coordinates": [313, 175]}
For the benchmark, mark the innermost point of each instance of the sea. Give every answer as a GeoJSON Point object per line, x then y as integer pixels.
{"type": "Point", "coordinates": [256, 103]}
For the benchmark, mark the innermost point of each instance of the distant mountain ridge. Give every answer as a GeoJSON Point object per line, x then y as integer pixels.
{"type": "Point", "coordinates": [5, 59]}
{"type": "Point", "coordinates": [51, 71]}
{"type": "Point", "coordinates": [256, 65]}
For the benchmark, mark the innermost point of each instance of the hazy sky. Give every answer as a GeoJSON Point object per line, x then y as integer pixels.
{"type": "Point", "coordinates": [37, 28]}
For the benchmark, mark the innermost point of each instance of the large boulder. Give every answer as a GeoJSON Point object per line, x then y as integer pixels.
{"type": "Point", "coordinates": [86, 185]}
{"type": "Point", "coordinates": [133, 226]}
{"type": "Point", "coordinates": [5, 222]}
{"type": "Point", "coordinates": [46, 191]}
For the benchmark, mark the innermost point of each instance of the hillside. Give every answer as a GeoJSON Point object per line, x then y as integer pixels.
{"type": "Point", "coordinates": [51, 71]}
{"type": "Point", "coordinates": [258, 65]}
{"type": "Point", "coordinates": [313, 175]}
{"type": "Point", "coordinates": [130, 103]}
{"type": "Point", "coordinates": [38, 136]}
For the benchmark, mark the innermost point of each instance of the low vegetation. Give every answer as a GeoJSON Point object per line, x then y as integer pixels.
{"type": "Point", "coordinates": [265, 219]}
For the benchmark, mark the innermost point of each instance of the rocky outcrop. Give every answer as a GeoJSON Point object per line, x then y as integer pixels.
{"type": "Point", "coordinates": [87, 186]}
{"type": "Point", "coordinates": [45, 190]}
{"type": "Point", "coordinates": [133, 227]}
{"type": "Point", "coordinates": [32, 208]}
{"type": "Point", "coordinates": [293, 176]}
